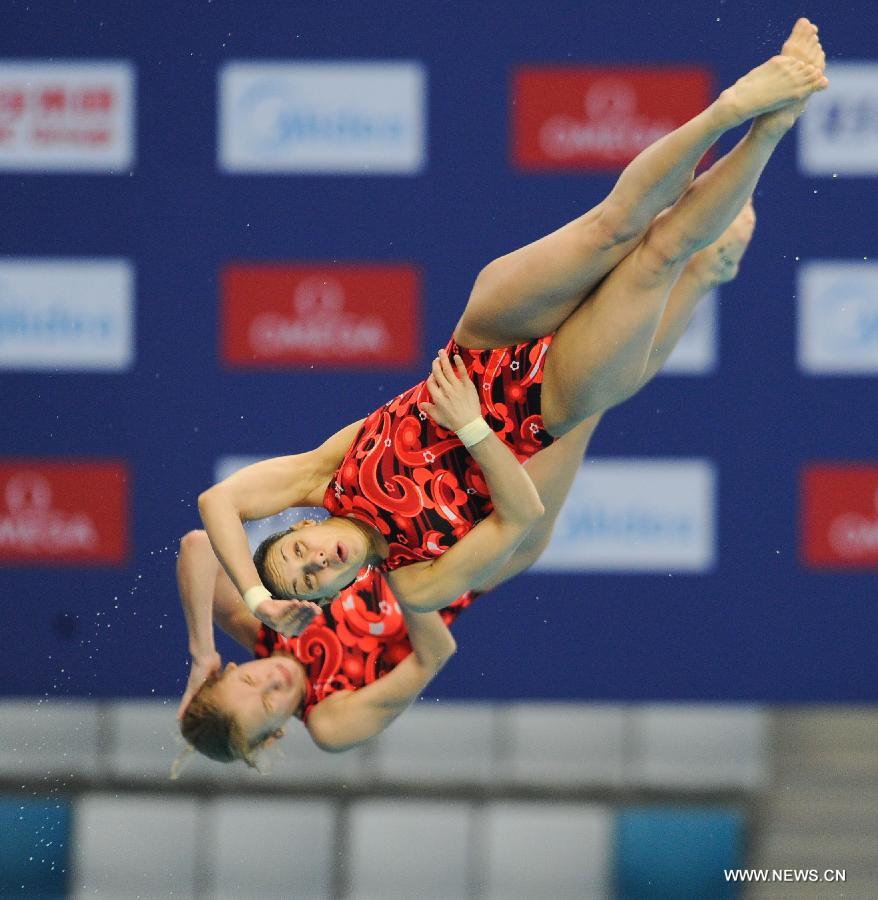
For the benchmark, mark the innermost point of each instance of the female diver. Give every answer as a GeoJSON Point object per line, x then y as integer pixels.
{"type": "Point", "coordinates": [425, 488]}
{"type": "Point", "coordinates": [362, 660]}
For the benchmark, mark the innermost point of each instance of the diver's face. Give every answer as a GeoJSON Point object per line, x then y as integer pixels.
{"type": "Point", "coordinates": [262, 694]}
{"type": "Point", "coordinates": [317, 561]}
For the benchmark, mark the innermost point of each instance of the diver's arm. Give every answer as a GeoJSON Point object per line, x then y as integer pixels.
{"type": "Point", "coordinates": [229, 614]}
{"type": "Point", "coordinates": [475, 560]}
{"type": "Point", "coordinates": [455, 405]}
{"type": "Point", "coordinates": [196, 576]}
{"type": "Point", "coordinates": [481, 554]}
{"type": "Point", "coordinates": [552, 471]}
{"type": "Point", "coordinates": [262, 490]}
{"type": "Point", "coordinates": [348, 718]}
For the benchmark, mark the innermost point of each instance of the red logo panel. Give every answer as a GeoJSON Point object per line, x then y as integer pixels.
{"type": "Point", "coordinates": [839, 515]}
{"type": "Point", "coordinates": [63, 512]}
{"type": "Point", "coordinates": [329, 316]}
{"type": "Point", "coordinates": [599, 119]}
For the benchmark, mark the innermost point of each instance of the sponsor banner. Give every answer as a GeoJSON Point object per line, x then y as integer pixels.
{"type": "Point", "coordinates": [70, 117]}
{"type": "Point", "coordinates": [63, 512]}
{"type": "Point", "coordinates": [636, 515]}
{"type": "Point", "coordinates": [839, 516]}
{"type": "Point", "coordinates": [696, 351]}
{"type": "Point", "coordinates": [331, 316]}
{"type": "Point", "coordinates": [66, 314]}
{"type": "Point", "coordinates": [363, 118]}
{"type": "Point", "coordinates": [838, 133]}
{"type": "Point", "coordinates": [599, 119]}
{"type": "Point", "coordinates": [260, 529]}
{"type": "Point", "coordinates": [838, 318]}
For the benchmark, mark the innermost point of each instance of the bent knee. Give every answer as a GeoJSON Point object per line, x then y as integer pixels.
{"type": "Point", "coordinates": [604, 391]}
{"type": "Point", "coordinates": [530, 551]}
{"type": "Point", "coordinates": [491, 278]}
{"type": "Point", "coordinates": [193, 541]}
{"type": "Point", "coordinates": [619, 223]}
{"type": "Point", "coordinates": [665, 249]}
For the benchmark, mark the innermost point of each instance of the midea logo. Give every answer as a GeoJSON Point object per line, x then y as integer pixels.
{"type": "Point", "coordinates": [629, 522]}
{"type": "Point", "coordinates": [273, 118]}
{"type": "Point", "coordinates": [848, 315]}
{"type": "Point", "coordinates": [21, 319]}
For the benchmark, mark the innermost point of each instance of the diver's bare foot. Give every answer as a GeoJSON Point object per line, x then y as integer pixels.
{"type": "Point", "coordinates": [803, 44]}
{"type": "Point", "coordinates": [718, 262]}
{"type": "Point", "coordinates": [780, 81]}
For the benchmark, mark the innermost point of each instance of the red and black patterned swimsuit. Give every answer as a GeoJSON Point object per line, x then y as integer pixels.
{"type": "Point", "coordinates": [414, 481]}
{"type": "Point", "coordinates": [354, 641]}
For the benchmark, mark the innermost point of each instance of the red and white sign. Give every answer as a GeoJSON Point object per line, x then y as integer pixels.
{"type": "Point", "coordinates": [839, 516]}
{"type": "Point", "coordinates": [63, 512]}
{"type": "Point", "coordinates": [278, 316]}
{"type": "Point", "coordinates": [66, 116]}
{"type": "Point", "coordinates": [599, 119]}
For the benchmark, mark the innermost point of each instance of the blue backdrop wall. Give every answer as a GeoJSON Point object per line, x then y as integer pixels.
{"type": "Point", "coordinates": [758, 626]}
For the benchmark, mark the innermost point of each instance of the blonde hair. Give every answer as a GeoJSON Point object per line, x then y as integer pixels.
{"type": "Point", "coordinates": [213, 731]}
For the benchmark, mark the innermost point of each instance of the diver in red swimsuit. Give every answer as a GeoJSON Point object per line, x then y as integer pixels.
{"type": "Point", "coordinates": [353, 669]}
{"type": "Point", "coordinates": [413, 481]}
{"type": "Point", "coordinates": [361, 661]}
{"type": "Point", "coordinates": [354, 666]}
{"type": "Point", "coordinates": [358, 638]}
{"type": "Point", "coordinates": [404, 493]}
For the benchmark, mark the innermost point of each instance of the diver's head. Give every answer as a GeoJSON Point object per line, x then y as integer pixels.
{"type": "Point", "coordinates": [242, 710]}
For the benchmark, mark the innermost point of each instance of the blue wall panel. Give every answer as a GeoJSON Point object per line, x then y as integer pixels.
{"type": "Point", "coordinates": [758, 627]}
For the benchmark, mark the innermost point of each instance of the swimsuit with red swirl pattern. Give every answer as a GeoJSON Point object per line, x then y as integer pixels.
{"type": "Point", "coordinates": [355, 640]}
{"type": "Point", "coordinates": [414, 481]}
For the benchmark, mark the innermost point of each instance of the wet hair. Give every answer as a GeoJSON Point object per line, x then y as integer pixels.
{"type": "Point", "coordinates": [259, 561]}
{"type": "Point", "coordinates": [213, 731]}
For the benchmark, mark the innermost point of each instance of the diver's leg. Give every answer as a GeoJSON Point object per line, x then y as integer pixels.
{"type": "Point", "coordinates": [601, 352]}
{"type": "Point", "coordinates": [531, 291]}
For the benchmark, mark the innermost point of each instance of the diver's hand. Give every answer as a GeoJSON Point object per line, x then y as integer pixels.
{"type": "Point", "coordinates": [455, 398]}
{"type": "Point", "coordinates": [287, 617]}
{"type": "Point", "coordinates": [200, 670]}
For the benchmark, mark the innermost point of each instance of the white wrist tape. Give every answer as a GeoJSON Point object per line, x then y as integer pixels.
{"type": "Point", "coordinates": [473, 432]}
{"type": "Point", "coordinates": [255, 595]}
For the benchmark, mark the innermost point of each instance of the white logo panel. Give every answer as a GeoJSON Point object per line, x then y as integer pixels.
{"type": "Point", "coordinates": [66, 315]}
{"type": "Point", "coordinates": [696, 351]}
{"type": "Point", "coordinates": [73, 117]}
{"type": "Point", "coordinates": [363, 118]}
{"type": "Point", "coordinates": [260, 529]}
{"type": "Point", "coordinates": [838, 318]}
{"type": "Point", "coordinates": [838, 134]}
{"type": "Point", "coordinates": [636, 515]}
